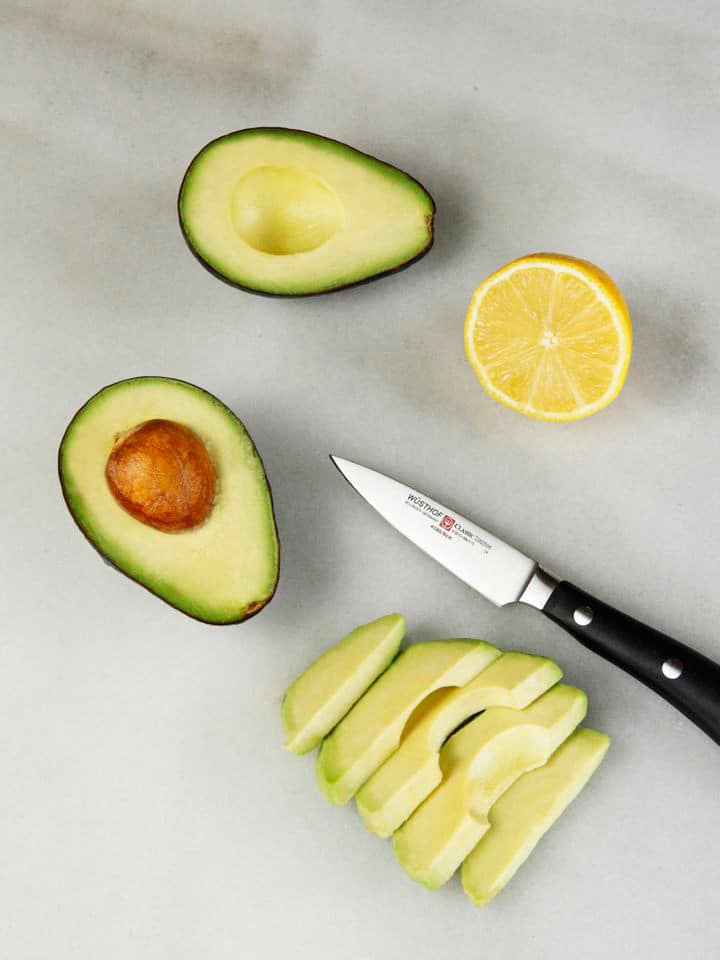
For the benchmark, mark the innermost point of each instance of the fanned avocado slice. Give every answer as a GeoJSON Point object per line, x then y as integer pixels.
{"type": "Point", "coordinates": [371, 731]}
{"type": "Point", "coordinates": [479, 763]}
{"type": "Point", "coordinates": [165, 482]}
{"type": "Point", "coordinates": [285, 212]}
{"type": "Point", "coordinates": [321, 696]}
{"type": "Point", "coordinates": [526, 811]}
{"type": "Point", "coordinates": [410, 774]}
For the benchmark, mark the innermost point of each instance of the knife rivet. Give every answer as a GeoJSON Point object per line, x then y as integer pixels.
{"type": "Point", "coordinates": [672, 668]}
{"type": "Point", "coordinates": [583, 616]}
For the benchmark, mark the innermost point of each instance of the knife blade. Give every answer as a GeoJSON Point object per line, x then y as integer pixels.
{"type": "Point", "coordinates": [684, 677]}
{"type": "Point", "coordinates": [492, 567]}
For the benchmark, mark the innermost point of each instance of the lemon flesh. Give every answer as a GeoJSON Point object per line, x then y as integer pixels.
{"type": "Point", "coordinates": [550, 336]}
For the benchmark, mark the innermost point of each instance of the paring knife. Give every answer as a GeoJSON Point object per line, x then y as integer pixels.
{"type": "Point", "coordinates": [502, 574]}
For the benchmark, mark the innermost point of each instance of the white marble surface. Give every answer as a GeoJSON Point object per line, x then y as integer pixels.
{"type": "Point", "coordinates": [147, 809]}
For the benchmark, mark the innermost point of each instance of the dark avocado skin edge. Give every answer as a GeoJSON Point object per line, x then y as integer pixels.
{"type": "Point", "coordinates": [104, 556]}
{"type": "Point", "coordinates": [297, 296]}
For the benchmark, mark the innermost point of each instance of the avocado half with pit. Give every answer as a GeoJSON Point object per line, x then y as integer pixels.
{"type": "Point", "coordinates": [288, 213]}
{"type": "Point", "coordinates": [165, 482]}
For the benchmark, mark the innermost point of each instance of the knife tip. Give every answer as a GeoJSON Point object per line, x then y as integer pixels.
{"type": "Point", "coordinates": [338, 463]}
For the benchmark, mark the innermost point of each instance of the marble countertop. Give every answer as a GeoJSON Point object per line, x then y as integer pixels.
{"type": "Point", "coordinates": [147, 808]}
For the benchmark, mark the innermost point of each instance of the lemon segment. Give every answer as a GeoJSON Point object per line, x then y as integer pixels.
{"type": "Point", "coordinates": [550, 336]}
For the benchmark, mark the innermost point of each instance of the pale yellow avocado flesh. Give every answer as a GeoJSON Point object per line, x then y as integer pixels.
{"type": "Point", "coordinates": [321, 696]}
{"type": "Point", "coordinates": [410, 774]}
{"type": "Point", "coordinates": [371, 731]}
{"type": "Point", "coordinates": [288, 212]}
{"type": "Point", "coordinates": [527, 810]}
{"type": "Point", "coordinates": [479, 763]}
{"type": "Point", "coordinates": [218, 572]}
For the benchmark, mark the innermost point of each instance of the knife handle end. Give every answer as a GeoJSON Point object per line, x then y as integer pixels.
{"type": "Point", "coordinates": [685, 678]}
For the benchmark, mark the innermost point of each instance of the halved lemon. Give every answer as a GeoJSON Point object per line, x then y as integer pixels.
{"type": "Point", "coordinates": [550, 336]}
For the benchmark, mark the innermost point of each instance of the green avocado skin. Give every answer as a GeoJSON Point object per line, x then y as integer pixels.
{"type": "Point", "coordinates": [341, 149]}
{"type": "Point", "coordinates": [124, 565]}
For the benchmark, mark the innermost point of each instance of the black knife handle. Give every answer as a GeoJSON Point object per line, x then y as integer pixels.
{"type": "Point", "coordinates": [686, 679]}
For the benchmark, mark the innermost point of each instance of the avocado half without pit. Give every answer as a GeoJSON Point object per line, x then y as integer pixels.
{"type": "Point", "coordinates": [165, 482]}
{"type": "Point", "coordinates": [289, 213]}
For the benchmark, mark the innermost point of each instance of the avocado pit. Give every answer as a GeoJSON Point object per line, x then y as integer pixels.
{"type": "Point", "coordinates": [161, 473]}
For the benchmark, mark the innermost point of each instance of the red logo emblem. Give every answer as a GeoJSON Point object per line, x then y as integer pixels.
{"type": "Point", "coordinates": [447, 522]}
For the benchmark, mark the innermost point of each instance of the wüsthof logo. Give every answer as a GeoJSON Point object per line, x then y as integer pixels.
{"type": "Point", "coordinates": [447, 522]}
{"type": "Point", "coordinates": [419, 504]}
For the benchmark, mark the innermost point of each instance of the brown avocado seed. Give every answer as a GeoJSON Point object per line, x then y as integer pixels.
{"type": "Point", "coordinates": [162, 474]}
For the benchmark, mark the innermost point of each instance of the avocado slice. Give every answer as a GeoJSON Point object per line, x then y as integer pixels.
{"type": "Point", "coordinates": [289, 213]}
{"type": "Point", "coordinates": [410, 774]}
{"type": "Point", "coordinates": [371, 731]}
{"type": "Point", "coordinates": [323, 694]}
{"type": "Point", "coordinates": [527, 810]}
{"type": "Point", "coordinates": [165, 482]}
{"type": "Point", "coordinates": [479, 763]}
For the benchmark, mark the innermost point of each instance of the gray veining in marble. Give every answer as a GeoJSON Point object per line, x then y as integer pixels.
{"type": "Point", "coordinates": [147, 809]}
